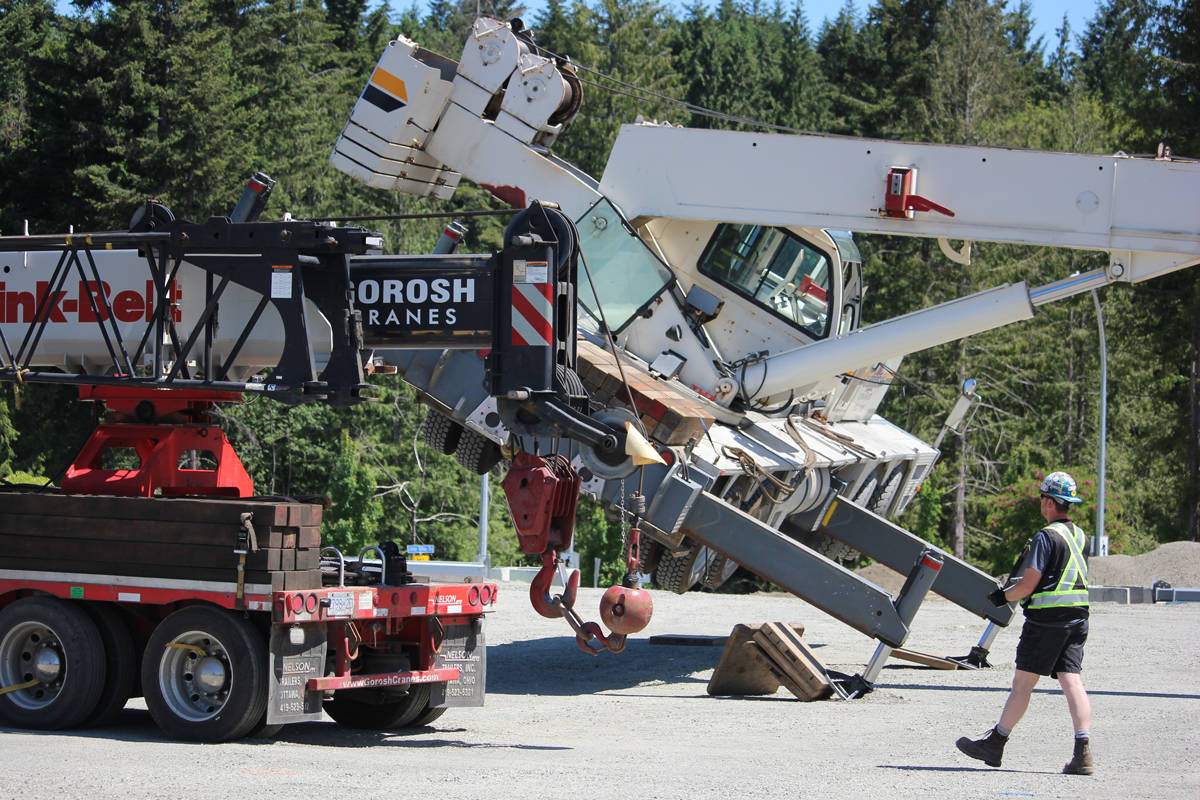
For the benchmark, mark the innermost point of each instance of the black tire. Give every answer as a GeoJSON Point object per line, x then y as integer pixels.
{"type": "Point", "coordinates": [51, 639]}
{"type": "Point", "coordinates": [440, 432]}
{"type": "Point", "coordinates": [720, 570]}
{"type": "Point", "coordinates": [262, 730]}
{"type": "Point", "coordinates": [215, 697]}
{"type": "Point", "coordinates": [679, 574]}
{"type": "Point", "coordinates": [428, 716]}
{"type": "Point", "coordinates": [651, 555]}
{"type": "Point", "coordinates": [121, 664]}
{"type": "Point", "coordinates": [886, 492]}
{"type": "Point", "coordinates": [477, 453]}
{"type": "Point", "coordinates": [373, 711]}
{"type": "Point", "coordinates": [822, 543]}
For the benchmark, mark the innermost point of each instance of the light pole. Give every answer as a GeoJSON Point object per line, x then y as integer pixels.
{"type": "Point", "coordinates": [1100, 541]}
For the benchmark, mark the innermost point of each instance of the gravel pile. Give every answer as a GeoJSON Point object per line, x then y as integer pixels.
{"type": "Point", "coordinates": [1177, 563]}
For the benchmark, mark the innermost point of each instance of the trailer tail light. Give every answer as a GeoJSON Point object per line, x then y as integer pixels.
{"type": "Point", "coordinates": [297, 602]}
{"type": "Point", "coordinates": [486, 595]}
{"type": "Point", "coordinates": [473, 596]}
{"type": "Point", "coordinates": [310, 603]}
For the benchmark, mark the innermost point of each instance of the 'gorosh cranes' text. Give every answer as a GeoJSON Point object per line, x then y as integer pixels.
{"type": "Point", "coordinates": [420, 301]}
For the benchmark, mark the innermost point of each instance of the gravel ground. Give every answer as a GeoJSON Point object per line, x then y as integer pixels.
{"type": "Point", "coordinates": [640, 724]}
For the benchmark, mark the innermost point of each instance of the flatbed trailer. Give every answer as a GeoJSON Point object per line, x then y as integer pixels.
{"type": "Point", "coordinates": [229, 643]}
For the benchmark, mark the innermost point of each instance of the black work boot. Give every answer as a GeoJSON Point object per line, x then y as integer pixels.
{"type": "Point", "coordinates": [1082, 763]}
{"type": "Point", "coordinates": [989, 749]}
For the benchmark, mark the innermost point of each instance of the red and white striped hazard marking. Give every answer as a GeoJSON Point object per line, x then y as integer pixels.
{"type": "Point", "coordinates": [532, 314]}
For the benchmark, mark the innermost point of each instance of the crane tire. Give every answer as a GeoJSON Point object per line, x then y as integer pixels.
{"type": "Point", "coordinates": [440, 432]}
{"type": "Point", "coordinates": [651, 555]}
{"type": "Point", "coordinates": [477, 453]}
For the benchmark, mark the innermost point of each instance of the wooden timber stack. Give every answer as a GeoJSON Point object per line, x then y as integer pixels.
{"type": "Point", "coordinates": [672, 415]}
{"type": "Point", "coordinates": [153, 537]}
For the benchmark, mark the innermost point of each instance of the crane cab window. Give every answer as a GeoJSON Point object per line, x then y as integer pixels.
{"type": "Point", "coordinates": [776, 269]}
{"type": "Point", "coordinates": [622, 276]}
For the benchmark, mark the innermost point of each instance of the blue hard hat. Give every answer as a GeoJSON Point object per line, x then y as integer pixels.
{"type": "Point", "coordinates": [1060, 486]}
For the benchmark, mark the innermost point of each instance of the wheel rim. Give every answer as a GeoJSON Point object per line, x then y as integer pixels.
{"type": "Point", "coordinates": [32, 651]}
{"type": "Point", "coordinates": [195, 676]}
{"type": "Point", "coordinates": [704, 557]}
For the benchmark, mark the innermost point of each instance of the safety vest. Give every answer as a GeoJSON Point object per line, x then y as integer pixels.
{"type": "Point", "coordinates": [1071, 589]}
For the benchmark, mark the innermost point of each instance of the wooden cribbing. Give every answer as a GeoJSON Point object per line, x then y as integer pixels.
{"type": "Point", "coordinates": [176, 538]}
{"type": "Point", "coordinates": [671, 414]}
{"type": "Point", "coordinates": [748, 667]}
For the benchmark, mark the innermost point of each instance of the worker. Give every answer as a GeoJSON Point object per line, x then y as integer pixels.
{"type": "Point", "coordinates": [1053, 591]}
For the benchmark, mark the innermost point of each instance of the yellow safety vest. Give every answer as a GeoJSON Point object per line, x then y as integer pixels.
{"type": "Point", "coordinates": [1071, 589]}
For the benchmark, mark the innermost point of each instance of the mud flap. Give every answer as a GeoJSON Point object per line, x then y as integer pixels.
{"type": "Point", "coordinates": [463, 649]}
{"type": "Point", "coordinates": [292, 664]}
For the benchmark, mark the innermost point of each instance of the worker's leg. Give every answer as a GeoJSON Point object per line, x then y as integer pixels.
{"type": "Point", "coordinates": [1018, 698]}
{"type": "Point", "coordinates": [1077, 700]}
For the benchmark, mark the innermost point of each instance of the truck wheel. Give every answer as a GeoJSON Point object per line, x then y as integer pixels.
{"type": "Point", "coordinates": [476, 452]}
{"type": "Point", "coordinates": [55, 643]}
{"type": "Point", "coordinates": [887, 491]}
{"type": "Point", "coordinates": [678, 574]}
{"type": "Point", "coordinates": [819, 542]}
{"type": "Point", "coordinates": [720, 569]}
{"type": "Point", "coordinates": [651, 555]}
{"type": "Point", "coordinates": [355, 709]}
{"type": "Point", "coordinates": [120, 660]}
{"type": "Point", "coordinates": [204, 675]}
{"type": "Point", "coordinates": [440, 432]}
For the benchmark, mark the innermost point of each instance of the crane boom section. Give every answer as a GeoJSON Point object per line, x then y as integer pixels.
{"type": "Point", "coordinates": [1138, 206]}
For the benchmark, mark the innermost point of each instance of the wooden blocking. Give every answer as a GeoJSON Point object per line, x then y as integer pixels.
{"type": "Point", "coordinates": [745, 668]}
{"type": "Point", "coordinates": [937, 662]}
{"type": "Point", "coordinates": [304, 536]}
{"type": "Point", "coordinates": [799, 669]}
{"type": "Point", "coordinates": [289, 580]}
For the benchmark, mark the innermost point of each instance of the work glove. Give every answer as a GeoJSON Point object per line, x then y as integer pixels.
{"type": "Point", "coordinates": [998, 599]}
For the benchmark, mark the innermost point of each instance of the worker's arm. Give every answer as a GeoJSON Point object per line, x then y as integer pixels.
{"type": "Point", "coordinates": [1024, 586]}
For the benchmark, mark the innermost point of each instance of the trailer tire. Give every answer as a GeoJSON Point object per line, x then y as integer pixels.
{"type": "Point", "coordinates": [217, 697]}
{"type": "Point", "coordinates": [477, 453]}
{"type": "Point", "coordinates": [428, 716]}
{"type": "Point", "coordinates": [56, 640]}
{"type": "Point", "coordinates": [440, 432]}
{"type": "Point", "coordinates": [121, 665]}
{"type": "Point", "coordinates": [388, 714]}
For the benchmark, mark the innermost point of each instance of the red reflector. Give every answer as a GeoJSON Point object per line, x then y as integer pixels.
{"type": "Point", "coordinates": [255, 185]}
{"type": "Point", "coordinates": [668, 457]}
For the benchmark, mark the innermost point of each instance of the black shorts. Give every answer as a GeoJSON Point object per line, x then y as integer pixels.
{"type": "Point", "coordinates": [1048, 649]}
